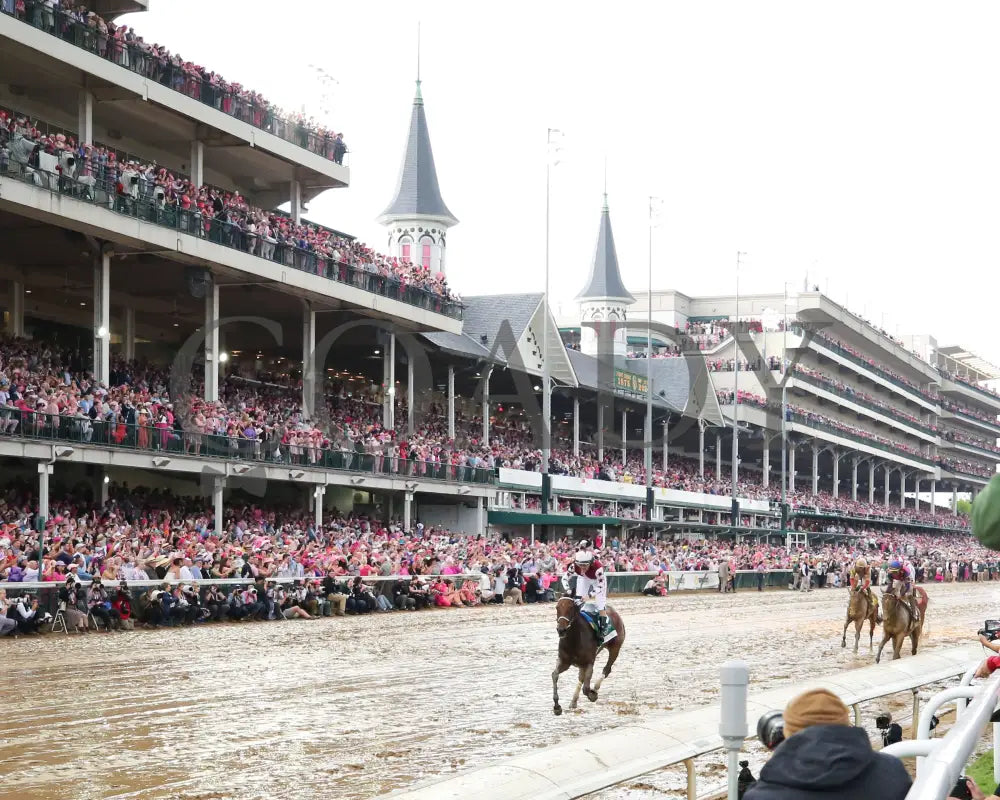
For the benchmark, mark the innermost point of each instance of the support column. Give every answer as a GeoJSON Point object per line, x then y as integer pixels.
{"type": "Point", "coordinates": [624, 437]}
{"type": "Point", "coordinates": [407, 510]}
{"type": "Point", "coordinates": [44, 471]}
{"type": "Point", "coordinates": [600, 432]}
{"type": "Point", "coordinates": [791, 467]}
{"type": "Point", "coordinates": [389, 384]}
{"type": "Point", "coordinates": [576, 426]}
{"type": "Point", "coordinates": [212, 343]}
{"type": "Point", "coordinates": [411, 394]}
{"type": "Point", "coordinates": [486, 407]}
{"type": "Point", "coordinates": [701, 448]}
{"type": "Point", "coordinates": [666, 443]}
{"type": "Point", "coordinates": [815, 469]}
{"type": "Point", "coordinates": [197, 163]}
{"type": "Point", "coordinates": [102, 316]}
{"type": "Point", "coordinates": [15, 310]}
{"type": "Point", "coordinates": [854, 479]}
{"type": "Point", "coordinates": [308, 360]}
{"type": "Point", "coordinates": [718, 457]}
{"type": "Point", "coordinates": [218, 486]}
{"type": "Point", "coordinates": [954, 501]}
{"type": "Point", "coordinates": [128, 341]}
{"type": "Point", "coordinates": [451, 402]}
{"type": "Point", "coordinates": [916, 493]}
{"type": "Point", "coordinates": [871, 482]}
{"type": "Point", "coordinates": [888, 474]}
{"type": "Point", "coordinates": [934, 495]}
{"type": "Point", "coordinates": [766, 464]}
{"type": "Point", "coordinates": [902, 489]}
{"type": "Point", "coordinates": [480, 517]}
{"type": "Point", "coordinates": [84, 117]}
{"type": "Point", "coordinates": [318, 493]}
{"type": "Point", "coordinates": [295, 198]}
{"type": "Point", "coordinates": [836, 472]}
{"type": "Point", "coordinates": [100, 485]}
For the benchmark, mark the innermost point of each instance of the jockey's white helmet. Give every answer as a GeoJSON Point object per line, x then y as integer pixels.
{"type": "Point", "coordinates": [583, 557]}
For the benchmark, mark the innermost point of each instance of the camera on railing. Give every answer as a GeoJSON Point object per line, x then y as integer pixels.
{"type": "Point", "coordinates": [991, 629]}
{"type": "Point", "coordinates": [771, 729]}
{"type": "Point", "coordinates": [891, 731]}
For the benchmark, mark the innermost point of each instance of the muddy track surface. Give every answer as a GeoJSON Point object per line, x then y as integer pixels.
{"type": "Point", "coordinates": [353, 707]}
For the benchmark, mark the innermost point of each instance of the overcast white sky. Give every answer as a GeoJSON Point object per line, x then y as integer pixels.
{"type": "Point", "coordinates": [855, 141]}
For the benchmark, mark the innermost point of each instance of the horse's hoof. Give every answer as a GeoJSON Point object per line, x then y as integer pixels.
{"type": "Point", "coordinates": [557, 710]}
{"type": "Point", "coordinates": [844, 643]}
{"type": "Point", "coordinates": [592, 696]}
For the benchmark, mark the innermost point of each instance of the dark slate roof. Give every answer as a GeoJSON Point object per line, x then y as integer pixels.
{"type": "Point", "coordinates": [458, 344]}
{"type": "Point", "coordinates": [484, 316]}
{"type": "Point", "coordinates": [418, 191]}
{"type": "Point", "coordinates": [605, 278]}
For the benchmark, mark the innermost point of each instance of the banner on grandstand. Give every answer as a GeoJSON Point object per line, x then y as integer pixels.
{"type": "Point", "coordinates": [630, 383]}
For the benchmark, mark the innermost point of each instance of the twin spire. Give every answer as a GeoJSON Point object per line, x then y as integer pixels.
{"type": "Point", "coordinates": [605, 279]}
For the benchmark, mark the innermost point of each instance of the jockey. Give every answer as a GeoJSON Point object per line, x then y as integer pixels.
{"type": "Point", "coordinates": [901, 575]}
{"type": "Point", "coordinates": [590, 581]}
{"type": "Point", "coordinates": [861, 578]}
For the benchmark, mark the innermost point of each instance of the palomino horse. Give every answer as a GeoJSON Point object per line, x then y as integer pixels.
{"type": "Point", "coordinates": [899, 623]}
{"type": "Point", "coordinates": [578, 647]}
{"type": "Point", "coordinates": [859, 610]}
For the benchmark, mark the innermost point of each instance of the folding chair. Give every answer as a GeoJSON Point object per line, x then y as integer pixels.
{"type": "Point", "coordinates": [92, 620]}
{"type": "Point", "coordinates": [60, 619]}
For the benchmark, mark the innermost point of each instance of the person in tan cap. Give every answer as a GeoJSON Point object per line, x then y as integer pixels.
{"type": "Point", "coordinates": [823, 756]}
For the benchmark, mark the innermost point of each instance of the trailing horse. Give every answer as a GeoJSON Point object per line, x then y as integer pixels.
{"type": "Point", "coordinates": [899, 622]}
{"type": "Point", "coordinates": [860, 609]}
{"type": "Point", "coordinates": [578, 647]}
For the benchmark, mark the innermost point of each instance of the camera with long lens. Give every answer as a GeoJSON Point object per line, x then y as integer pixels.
{"type": "Point", "coordinates": [771, 729]}
{"type": "Point", "coordinates": [891, 731]}
{"type": "Point", "coordinates": [991, 629]}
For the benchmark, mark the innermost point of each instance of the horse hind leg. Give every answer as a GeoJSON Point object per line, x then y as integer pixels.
{"type": "Point", "coordinates": [588, 690]}
{"type": "Point", "coordinates": [579, 686]}
{"type": "Point", "coordinates": [612, 657]}
{"type": "Point", "coordinates": [843, 638]}
{"type": "Point", "coordinates": [858, 625]}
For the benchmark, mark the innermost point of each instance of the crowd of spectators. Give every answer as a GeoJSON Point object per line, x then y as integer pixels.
{"type": "Point", "coordinates": [852, 352]}
{"type": "Point", "coordinates": [146, 189]}
{"type": "Point", "coordinates": [81, 26]}
{"type": "Point", "coordinates": [958, 408]}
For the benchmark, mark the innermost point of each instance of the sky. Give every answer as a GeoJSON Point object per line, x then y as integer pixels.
{"type": "Point", "coordinates": [853, 144]}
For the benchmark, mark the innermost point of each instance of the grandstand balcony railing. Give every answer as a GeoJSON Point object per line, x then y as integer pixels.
{"type": "Point", "coordinates": [975, 447]}
{"type": "Point", "coordinates": [81, 430]}
{"type": "Point", "coordinates": [142, 62]}
{"type": "Point", "coordinates": [964, 415]}
{"type": "Point", "coordinates": [802, 419]}
{"type": "Point", "coordinates": [987, 394]}
{"type": "Point", "coordinates": [955, 469]}
{"type": "Point", "coordinates": [814, 512]}
{"type": "Point", "coordinates": [860, 401]}
{"type": "Point", "coordinates": [888, 376]}
{"type": "Point", "coordinates": [145, 206]}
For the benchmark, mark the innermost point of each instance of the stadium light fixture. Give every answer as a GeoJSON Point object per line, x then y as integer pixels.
{"type": "Point", "coordinates": [223, 357]}
{"type": "Point", "coordinates": [102, 332]}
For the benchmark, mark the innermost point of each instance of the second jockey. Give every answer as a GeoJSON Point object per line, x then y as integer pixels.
{"type": "Point", "coordinates": [861, 580]}
{"type": "Point", "coordinates": [901, 575]}
{"type": "Point", "coordinates": [591, 585]}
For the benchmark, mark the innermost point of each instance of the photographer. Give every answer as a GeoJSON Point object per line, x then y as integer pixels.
{"type": "Point", "coordinates": [988, 639]}
{"type": "Point", "coordinates": [822, 755]}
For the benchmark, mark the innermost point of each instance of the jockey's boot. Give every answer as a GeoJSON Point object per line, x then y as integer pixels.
{"type": "Point", "coordinates": [608, 631]}
{"type": "Point", "coordinates": [878, 609]}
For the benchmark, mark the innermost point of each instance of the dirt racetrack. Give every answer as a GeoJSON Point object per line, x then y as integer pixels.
{"type": "Point", "coordinates": [353, 707]}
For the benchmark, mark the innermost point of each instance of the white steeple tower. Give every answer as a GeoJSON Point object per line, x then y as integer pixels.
{"type": "Point", "coordinates": [604, 299]}
{"type": "Point", "coordinates": [417, 219]}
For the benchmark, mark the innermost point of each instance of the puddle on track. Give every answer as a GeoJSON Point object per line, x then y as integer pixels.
{"type": "Point", "coordinates": [354, 707]}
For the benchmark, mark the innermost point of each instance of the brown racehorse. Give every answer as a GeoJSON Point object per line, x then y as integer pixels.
{"type": "Point", "coordinates": [859, 610]}
{"type": "Point", "coordinates": [578, 647]}
{"type": "Point", "coordinates": [899, 623]}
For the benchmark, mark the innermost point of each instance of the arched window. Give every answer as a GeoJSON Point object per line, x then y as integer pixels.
{"type": "Point", "coordinates": [426, 249]}
{"type": "Point", "coordinates": [405, 245]}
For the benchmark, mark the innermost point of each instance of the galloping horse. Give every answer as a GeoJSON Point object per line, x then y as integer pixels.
{"type": "Point", "coordinates": [860, 609]}
{"type": "Point", "coordinates": [578, 647]}
{"type": "Point", "coordinates": [899, 622]}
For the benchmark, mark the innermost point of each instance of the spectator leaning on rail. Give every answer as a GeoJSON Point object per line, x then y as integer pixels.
{"type": "Point", "coordinates": [823, 756]}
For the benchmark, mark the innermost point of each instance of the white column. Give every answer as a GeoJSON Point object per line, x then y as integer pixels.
{"type": "Point", "coordinates": [389, 383]}
{"type": "Point", "coordinates": [624, 437]}
{"type": "Point", "coordinates": [128, 340]}
{"type": "Point", "coordinates": [197, 162]}
{"type": "Point", "coordinates": [44, 470]}
{"type": "Point", "coordinates": [407, 510]}
{"type": "Point", "coordinates": [411, 394]}
{"type": "Point", "coordinates": [934, 495]}
{"type": "Point", "coordinates": [766, 464]}
{"type": "Point", "coordinates": [600, 431]}
{"type": "Point", "coordinates": [836, 472]}
{"type": "Point", "coordinates": [888, 473]}
{"type": "Point", "coordinates": [318, 493]}
{"type": "Point", "coordinates": [480, 517]}
{"type": "Point", "coordinates": [718, 456]}
{"type": "Point", "coordinates": [902, 489]}
{"type": "Point", "coordinates": [451, 402]}
{"type": "Point", "coordinates": [100, 485]}
{"type": "Point", "coordinates": [308, 360]}
{"type": "Point", "coordinates": [701, 448]}
{"type": "Point", "coordinates": [871, 482]}
{"type": "Point", "coordinates": [854, 479]}
{"type": "Point", "coordinates": [212, 342]}
{"type": "Point", "coordinates": [102, 317]}
{"type": "Point", "coordinates": [84, 117]}
{"type": "Point", "coordinates": [218, 486]}
{"type": "Point", "coordinates": [666, 442]}
{"type": "Point", "coordinates": [954, 501]}
{"type": "Point", "coordinates": [791, 468]}
{"type": "Point", "coordinates": [576, 426]}
{"type": "Point", "coordinates": [916, 493]}
{"type": "Point", "coordinates": [815, 486]}
{"type": "Point", "coordinates": [15, 310]}
{"type": "Point", "coordinates": [486, 407]}
{"type": "Point", "coordinates": [295, 197]}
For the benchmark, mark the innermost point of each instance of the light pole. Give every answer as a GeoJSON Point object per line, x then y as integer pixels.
{"type": "Point", "coordinates": [735, 517]}
{"type": "Point", "coordinates": [784, 414]}
{"type": "Point", "coordinates": [654, 207]}
{"type": "Point", "coordinates": [552, 148]}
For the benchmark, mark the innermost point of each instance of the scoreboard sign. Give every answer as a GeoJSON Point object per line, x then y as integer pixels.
{"type": "Point", "coordinates": [630, 383]}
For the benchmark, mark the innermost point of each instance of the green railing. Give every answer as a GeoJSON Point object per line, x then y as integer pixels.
{"type": "Point", "coordinates": [960, 471]}
{"type": "Point", "coordinates": [810, 512]}
{"type": "Point", "coordinates": [794, 416]}
{"type": "Point", "coordinates": [146, 201]}
{"type": "Point", "coordinates": [966, 415]}
{"type": "Point", "coordinates": [252, 110]}
{"type": "Point", "coordinates": [854, 398]}
{"type": "Point", "coordinates": [981, 449]}
{"type": "Point", "coordinates": [81, 430]}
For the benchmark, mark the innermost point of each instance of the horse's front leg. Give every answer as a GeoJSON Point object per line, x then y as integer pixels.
{"type": "Point", "coordinates": [843, 639]}
{"type": "Point", "coordinates": [579, 686]}
{"type": "Point", "coordinates": [858, 625]}
{"type": "Point", "coordinates": [561, 667]}
{"type": "Point", "coordinates": [590, 693]}
{"type": "Point", "coordinates": [878, 655]}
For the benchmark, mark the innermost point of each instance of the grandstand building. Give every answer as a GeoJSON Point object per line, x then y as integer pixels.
{"type": "Point", "coordinates": [220, 345]}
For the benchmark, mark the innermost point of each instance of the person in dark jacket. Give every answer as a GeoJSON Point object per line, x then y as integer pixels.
{"type": "Point", "coordinates": [824, 757]}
